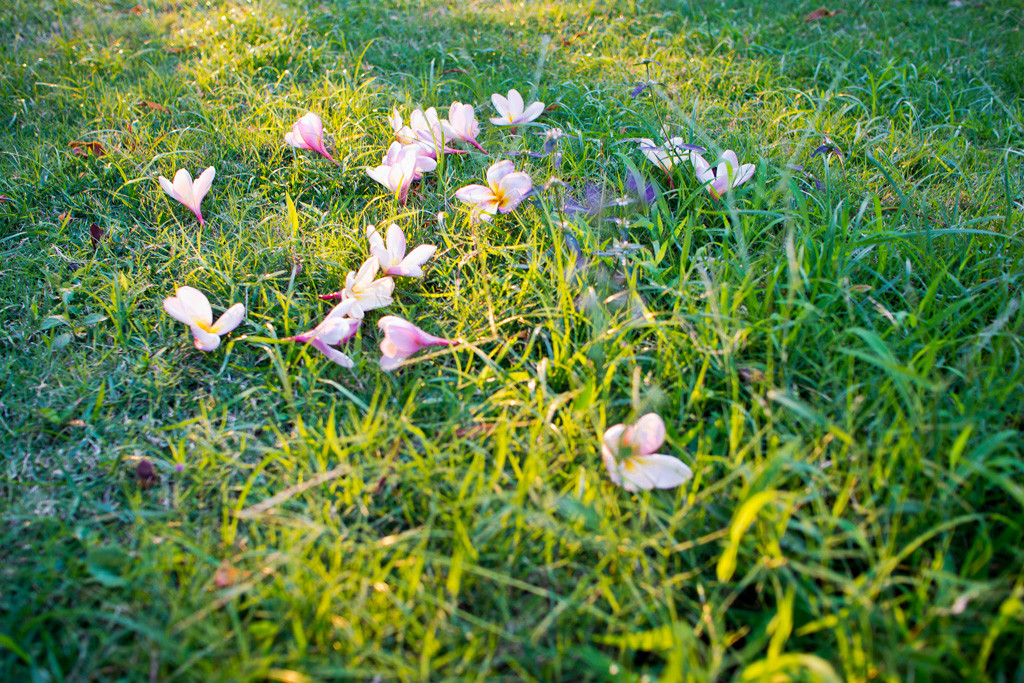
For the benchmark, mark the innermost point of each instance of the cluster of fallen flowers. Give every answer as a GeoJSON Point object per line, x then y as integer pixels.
{"type": "Point", "coordinates": [628, 452]}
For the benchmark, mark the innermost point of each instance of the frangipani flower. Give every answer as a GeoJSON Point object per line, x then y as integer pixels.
{"type": "Point", "coordinates": [640, 466]}
{"type": "Point", "coordinates": [336, 328]}
{"type": "Point", "coordinates": [425, 130]}
{"type": "Point", "coordinates": [402, 339]}
{"type": "Point", "coordinates": [308, 133]}
{"type": "Point", "coordinates": [367, 292]}
{"type": "Point", "coordinates": [190, 306]}
{"type": "Point", "coordinates": [505, 190]}
{"type": "Point", "coordinates": [665, 157]}
{"type": "Point", "coordinates": [461, 124]}
{"type": "Point", "coordinates": [189, 193]}
{"type": "Point", "coordinates": [729, 174]}
{"type": "Point", "coordinates": [511, 111]}
{"type": "Point", "coordinates": [400, 166]}
{"type": "Point", "coordinates": [392, 258]}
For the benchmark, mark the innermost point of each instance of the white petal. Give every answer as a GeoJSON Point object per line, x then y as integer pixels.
{"type": "Point", "coordinates": [202, 185]}
{"type": "Point", "coordinates": [230, 320]}
{"type": "Point", "coordinates": [195, 305]}
{"type": "Point", "coordinates": [205, 341]}
{"type": "Point", "coordinates": [655, 471]}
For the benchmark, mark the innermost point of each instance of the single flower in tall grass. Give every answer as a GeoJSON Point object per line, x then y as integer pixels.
{"type": "Point", "coordinates": [368, 291]}
{"type": "Point", "coordinates": [189, 193]}
{"type": "Point", "coordinates": [729, 174]}
{"type": "Point", "coordinates": [400, 167]}
{"type": "Point", "coordinates": [505, 190]}
{"type": "Point", "coordinates": [461, 124]}
{"type": "Point", "coordinates": [402, 339]}
{"type": "Point", "coordinates": [512, 111]}
{"type": "Point", "coordinates": [308, 133]}
{"type": "Point", "coordinates": [190, 306]}
{"type": "Point", "coordinates": [392, 257]}
{"type": "Point", "coordinates": [639, 465]}
{"type": "Point", "coordinates": [337, 328]}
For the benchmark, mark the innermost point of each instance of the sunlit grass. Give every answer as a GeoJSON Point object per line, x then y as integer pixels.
{"type": "Point", "coordinates": [843, 334]}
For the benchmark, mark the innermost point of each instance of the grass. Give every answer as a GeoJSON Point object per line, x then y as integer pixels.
{"type": "Point", "coordinates": [836, 349]}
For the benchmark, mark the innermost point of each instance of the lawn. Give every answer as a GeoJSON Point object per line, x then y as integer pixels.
{"type": "Point", "coordinates": [835, 347]}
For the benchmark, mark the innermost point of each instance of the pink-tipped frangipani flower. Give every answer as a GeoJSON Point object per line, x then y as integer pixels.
{"type": "Point", "coordinates": [392, 257]}
{"type": "Point", "coordinates": [400, 167]}
{"type": "Point", "coordinates": [402, 339]}
{"type": "Point", "coordinates": [367, 292]}
{"type": "Point", "coordinates": [505, 190]}
{"type": "Point", "coordinates": [337, 328]}
{"type": "Point", "coordinates": [511, 110]}
{"type": "Point", "coordinates": [425, 130]}
{"type": "Point", "coordinates": [308, 133]}
{"type": "Point", "coordinates": [639, 466]}
{"type": "Point", "coordinates": [461, 124]}
{"type": "Point", "coordinates": [190, 306]}
{"type": "Point", "coordinates": [729, 174]}
{"type": "Point", "coordinates": [189, 193]}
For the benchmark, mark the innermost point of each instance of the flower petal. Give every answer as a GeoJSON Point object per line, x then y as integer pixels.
{"type": "Point", "coordinates": [475, 194]}
{"type": "Point", "coordinates": [655, 471]}
{"type": "Point", "coordinates": [332, 354]}
{"type": "Point", "coordinates": [183, 187]}
{"type": "Point", "coordinates": [396, 245]}
{"type": "Point", "coordinates": [532, 112]}
{"type": "Point", "coordinates": [647, 435]}
{"type": "Point", "coordinates": [168, 187]}
{"type": "Point", "coordinates": [412, 265]}
{"type": "Point", "coordinates": [195, 305]}
{"type": "Point", "coordinates": [230, 320]}
{"type": "Point", "coordinates": [205, 341]}
{"type": "Point", "coordinates": [515, 104]}
{"type": "Point", "coordinates": [499, 170]}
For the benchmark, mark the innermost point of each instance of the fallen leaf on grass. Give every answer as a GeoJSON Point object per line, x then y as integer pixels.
{"type": "Point", "coordinates": [821, 13]}
{"type": "Point", "coordinates": [138, 10]}
{"type": "Point", "coordinates": [84, 149]}
{"type": "Point", "coordinates": [96, 234]}
{"type": "Point", "coordinates": [153, 106]}
{"type": "Point", "coordinates": [226, 575]}
{"type": "Point", "coordinates": [146, 474]}
{"type": "Point", "coordinates": [64, 217]}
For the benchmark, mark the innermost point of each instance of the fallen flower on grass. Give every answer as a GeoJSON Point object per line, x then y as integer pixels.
{"type": "Point", "coordinates": [400, 167]}
{"type": "Point", "coordinates": [425, 130]}
{"type": "Point", "coordinates": [729, 174]}
{"type": "Point", "coordinates": [402, 339]}
{"type": "Point", "coordinates": [668, 156]}
{"type": "Point", "coordinates": [308, 133]}
{"type": "Point", "coordinates": [461, 124]}
{"type": "Point", "coordinates": [190, 306]}
{"type": "Point", "coordinates": [392, 257]}
{"type": "Point", "coordinates": [367, 292]}
{"type": "Point", "coordinates": [189, 193]}
{"type": "Point", "coordinates": [640, 466]}
{"type": "Point", "coordinates": [512, 111]}
{"type": "Point", "coordinates": [337, 328]}
{"type": "Point", "coordinates": [505, 190]}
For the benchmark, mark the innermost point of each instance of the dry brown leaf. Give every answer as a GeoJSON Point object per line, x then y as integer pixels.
{"type": "Point", "coordinates": [146, 474]}
{"type": "Point", "coordinates": [137, 10]}
{"type": "Point", "coordinates": [84, 149]}
{"type": "Point", "coordinates": [226, 575]}
{"type": "Point", "coordinates": [64, 217]}
{"type": "Point", "coordinates": [153, 106]}
{"type": "Point", "coordinates": [821, 13]}
{"type": "Point", "coordinates": [96, 234]}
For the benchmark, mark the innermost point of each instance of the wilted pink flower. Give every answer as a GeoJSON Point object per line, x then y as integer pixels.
{"type": "Point", "coordinates": [511, 111]}
{"type": "Point", "coordinates": [402, 339]}
{"type": "Point", "coordinates": [367, 292]}
{"type": "Point", "coordinates": [392, 258]}
{"type": "Point", "coordinates": [400, 167]}
{"type": "Point", "coordinates": [308, 133]}
{"type": "Point", "coordinates": [336, 328]}
{"type": "Point", "coordinates": [505, 190]}
{"type": "Point", "coordinates": [190, 306]}
{"type": "Point", "coordinates": [729, 174]}
{"type": "Point", "coordinates": [461, 124]}
{"type": "Point", "coordinates": [640, 466]}
{"type": "Point", "coordinates": [189, 193]}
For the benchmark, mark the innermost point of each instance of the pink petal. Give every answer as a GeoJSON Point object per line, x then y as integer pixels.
{"type": "Point", "coordinates": [332, 354]}
{"type": "Point", "coordinates": [647, 435]}
{"type": "Point", "coordinates": [516, 182]}
{"type": "Point", "coordinates": [202, 185]}
{"type": "Point", "coordinates": [177, 311]}
{"type": "Point", "coordinates": [499, 170]}
{"type": "Point", "coordinates": [396, 244]}
{"type": "Point", "coordinates": [475, 194]}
